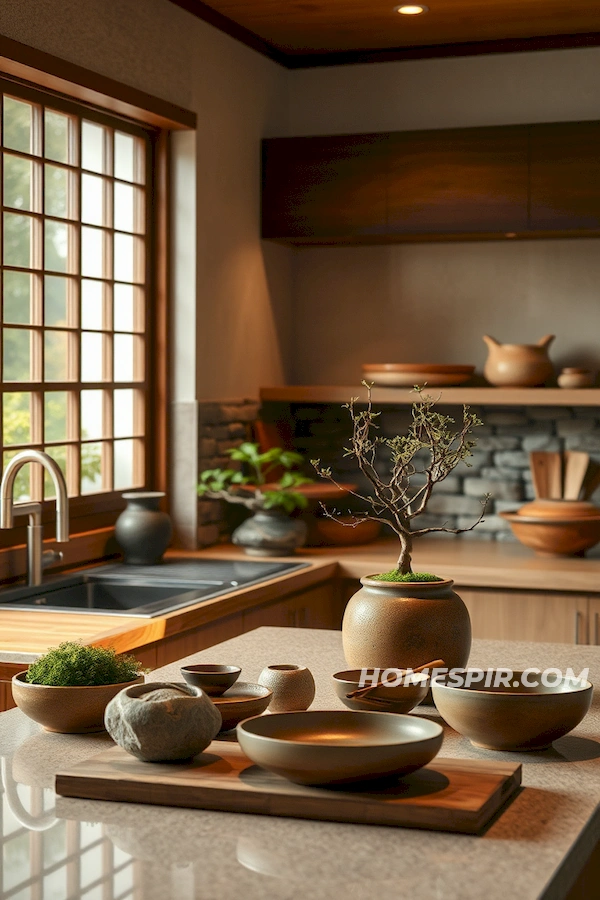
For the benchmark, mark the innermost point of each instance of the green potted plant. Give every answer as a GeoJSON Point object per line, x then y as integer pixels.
{"type": "Point", "coordinates": [269, 531]}
{"type": "Point", "coordinates": [402, 618]}
{"type": "Point", "coordinates": [67, 689]}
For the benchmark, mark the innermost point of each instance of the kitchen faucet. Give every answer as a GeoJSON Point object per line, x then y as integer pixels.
{"type": "Point", "coordinates": [37, 559]}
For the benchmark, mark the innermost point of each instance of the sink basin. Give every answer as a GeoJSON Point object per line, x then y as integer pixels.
{"type": "Point", "coordinates": [143, 591]}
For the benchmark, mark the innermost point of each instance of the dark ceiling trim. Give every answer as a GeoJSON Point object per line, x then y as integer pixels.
{"type": "Point", "coordinates": [223, 23]}
{"type": "Point", "coordinates": [352, 57]}
{"type": "Point", "coordinates": [433, 51]}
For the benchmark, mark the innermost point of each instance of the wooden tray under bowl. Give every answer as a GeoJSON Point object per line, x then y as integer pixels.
{"type": "Point", "coordinates": [447, 795]}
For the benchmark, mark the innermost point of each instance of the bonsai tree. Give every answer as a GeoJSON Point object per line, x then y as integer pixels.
{"type": "Point", "coordinates": [250, 487]}
{"type": "Point", "coordinates": [394, 501]}
{"type": "Point", "coordinates": [72, 664]}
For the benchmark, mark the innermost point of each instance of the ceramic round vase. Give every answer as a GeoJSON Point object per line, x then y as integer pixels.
{"type": "Point", "coordinates": [270, 532]}
{"type": "Point", "coordinates": [143, 531]}
{"type": "Point", "coordinates": [405, 624]}
{"type": "Point", "coordinates": [518, 365]}
{"type": "Point", "coordinates": [293, 687]}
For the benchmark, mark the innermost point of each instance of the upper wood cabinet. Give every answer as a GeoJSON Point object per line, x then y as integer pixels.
{"type": "Point", "coordinates": [433, 185]}
{"type": "Point", "coordinates": [565, 177]}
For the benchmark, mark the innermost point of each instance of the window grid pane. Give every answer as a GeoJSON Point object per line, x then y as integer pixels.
{"type": "Point", "coordinates": [73, 203]}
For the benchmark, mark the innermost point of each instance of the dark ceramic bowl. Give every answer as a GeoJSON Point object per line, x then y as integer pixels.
{"type": "Point", "coordinates": [214, 680]}
{"type": "Point", "coordinates": [335, 747]}
{"type": "Point", "coordinates": [240, 702]}
{"type": "Point", "coordinates": [397, 698]}
{"type": "Point", "coordinates": [523, 715]}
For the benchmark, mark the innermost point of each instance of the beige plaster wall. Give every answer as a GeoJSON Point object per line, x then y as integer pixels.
{"type": "Point", "coordinates": [432, 302]}
{"type": "Point", "coordinates": [241, 320]}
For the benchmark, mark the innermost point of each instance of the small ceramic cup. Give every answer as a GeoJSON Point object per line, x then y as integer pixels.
{"type": "Point", "coordinates": [293, 687]}
{"type": "Point", "coordinates": [576, 378]}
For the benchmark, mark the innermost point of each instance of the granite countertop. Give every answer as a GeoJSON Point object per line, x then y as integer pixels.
{"type": "Point", "coordinates": [534, 849]}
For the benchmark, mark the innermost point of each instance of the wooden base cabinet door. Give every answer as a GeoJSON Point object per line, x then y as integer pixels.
{"type": "Point", "coordinates": [527, 615]}
{"type": "Point", "coordinates": [594, 621]}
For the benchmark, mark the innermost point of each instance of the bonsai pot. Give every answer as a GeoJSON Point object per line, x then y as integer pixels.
{"type": "Point", "coordinates": [66, 710]}
{"type": "Point", "coordinates": [395, 624]}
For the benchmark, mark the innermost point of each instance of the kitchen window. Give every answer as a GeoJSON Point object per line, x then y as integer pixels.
{"type": "Point", "coordinates": [75, 293]}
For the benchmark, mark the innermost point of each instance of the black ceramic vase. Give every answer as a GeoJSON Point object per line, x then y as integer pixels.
{"type": "Point", "coordinates": [143, 531]}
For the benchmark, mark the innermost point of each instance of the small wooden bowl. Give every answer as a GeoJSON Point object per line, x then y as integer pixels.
{"type": "Point", "coordinates": [334, 533]}
{"type": "Point", "coordinates": [213, 679]}
{"type": "Point", "coordinates": [66, 710]}
{"type": "Point", "coordinates": [556, 527]}
{"type": "Point", "coordinates": [400, 698]}
{"type": "Point", "coordinates": [242, 701]}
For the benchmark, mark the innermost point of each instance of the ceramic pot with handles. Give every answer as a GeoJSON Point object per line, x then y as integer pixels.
{"type": "Point", "coordinates": [518, 365]}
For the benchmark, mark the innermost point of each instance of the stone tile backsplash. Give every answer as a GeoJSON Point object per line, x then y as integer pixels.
{"type": "Point", "coordinates": [499, 465]}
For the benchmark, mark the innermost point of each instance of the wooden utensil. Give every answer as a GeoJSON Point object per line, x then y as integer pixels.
{"type": "Point", "coordinates": [591, 480]}
{"type": "Point", "coordinates": [576, 465]}
{"type": "Point", "coordinates": [539, 473]}
{"type": "Point", "coordinates": [554, 468]}
{"type": "Point", "coordinates": [362, 692]}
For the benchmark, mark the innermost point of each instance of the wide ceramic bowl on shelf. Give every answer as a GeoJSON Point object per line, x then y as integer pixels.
{"type": "Point", "coordinates": [410, 374]}
{"type": "Point", "coordinates": [556, 527]}
{"type": "Point", "coordinates": [525, 714]}
{"type": "Point", "coordinates": [392, 698]}
{"type": "Point", "coordinates": [322, 747]}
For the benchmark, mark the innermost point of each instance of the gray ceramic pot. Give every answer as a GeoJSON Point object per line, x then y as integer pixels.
{"type": "Point", "coordinates": [143, 531]}
{"type": "Point", "coordinates": [270, 532]}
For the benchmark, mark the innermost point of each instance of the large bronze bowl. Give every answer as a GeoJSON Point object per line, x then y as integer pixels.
{"type": "Point", "coordinates": [324, 747]}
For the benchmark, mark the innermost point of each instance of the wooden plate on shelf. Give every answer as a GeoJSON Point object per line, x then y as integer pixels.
{"type": "Point", "coordinates": [409, 374]}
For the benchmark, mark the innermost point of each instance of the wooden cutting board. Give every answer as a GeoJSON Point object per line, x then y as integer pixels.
{"type": "Point", "coordinates": [447, 795]}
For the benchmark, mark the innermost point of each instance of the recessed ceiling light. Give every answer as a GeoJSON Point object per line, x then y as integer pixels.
{"type": "Point", "coordinates": [411, 9]}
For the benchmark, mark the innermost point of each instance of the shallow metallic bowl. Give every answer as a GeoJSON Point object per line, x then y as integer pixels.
{"type": "Point", "coordinates": [515, 716]}
{"type": "Point", "coordinates": [334, 747]}
{"type": "Point", "coordinates": [242, 701]}
{"type": "Point", "coordinates": [213, 679]}
{"type": "Point", "coordinates": [397, 698]}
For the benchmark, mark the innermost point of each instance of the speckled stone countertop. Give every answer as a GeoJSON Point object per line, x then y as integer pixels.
{"type": "Point", "coordinates": [534, 849]}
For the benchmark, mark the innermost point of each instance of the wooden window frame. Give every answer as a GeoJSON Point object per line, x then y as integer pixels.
{"type": "Point", "coordinates": [93, 516]}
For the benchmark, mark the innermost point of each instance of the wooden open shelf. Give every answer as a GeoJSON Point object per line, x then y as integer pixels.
{"type": "Point", "coordinates": [486, 396]}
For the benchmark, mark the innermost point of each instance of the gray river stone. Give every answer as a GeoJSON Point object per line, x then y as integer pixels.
{"type": "Point", "coordinates": [161, 721]}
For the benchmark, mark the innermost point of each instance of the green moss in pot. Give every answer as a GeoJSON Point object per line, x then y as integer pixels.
{"type": "Point", "coordinates": [402, 618]}
{"type": "Point", "coordinates": [67, 689]}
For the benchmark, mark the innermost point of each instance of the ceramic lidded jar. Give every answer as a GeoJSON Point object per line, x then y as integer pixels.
{"type": "Point", "coordinates": [293, 687]}
{"type": "Point", "coordinates": [518, 365]}
{"type": "Point", "coordinates": [391, 624]}
{"type": "Point", "coordinates": [143, 531]}
{"type": "Point", "coordinates": [270, 532]}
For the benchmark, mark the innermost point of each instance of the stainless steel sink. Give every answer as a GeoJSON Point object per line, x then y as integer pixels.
{"type": "Point", "coordinates": [143, 591]}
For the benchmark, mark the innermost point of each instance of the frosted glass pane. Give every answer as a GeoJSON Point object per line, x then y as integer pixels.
{"type": "Point", "coordinates": [17, 297]}
{"type": "Point", "coordinates": [56, 246]}
{"type": "Point", "coordinates": [56, 136]}
{"type": "Point", "coordinates": [55, 885]}
{"type": "Point", "coordinates": [56, 192]}
{"type": "Point", "coordinates": [55, 300]}
{"type": "Point", "coordinates": [92, 200]}
{"type": "Point", "coordinates": [21, 491]}
{"type": "Point", "coordinates": [18, 179]}
{"type": "Point", "coordinates": [17, 354]}
{"type": "Point", "coordinates": [91, 468]}
{"type": "Point", "coordinates": [123, 464]}
{"type": "Point", "coordinates": [124, 206]}
{"type": "Point", "coordinates": [123, 357]}
{"type": "Point", "coordinates": [59, 455]}
{"type": "Point", "coordinates": [92, 304]}
{"type": "Point", "coordinates": [92, 415]}
{"type": "Point", "coordinates": [55, 843]}
{"type": "Point", "coordinates": [92, 252]}
{"type": "Point", "coordinates": [17, 125]}
{"type": "Point", "coordinates": [16, 418]}
{"type": "Point", "coordinates": [56, 350]}
{"type": "Point", "coordinates": [17, 240]}
{"type": "Point", "coordinates": [124, 260]}
{"type": "Point", "coordinates": [123, 413]}
{"type": "Point", "coordinates": [125, 151]}
{"type": "Point", "coordinates": [55, 415]}
{"type": "Point", "coordinates": [93, 156]}
{"type": "Point", "coordinates": [124, 307]}
{"type": "Point", "coordinates": [91, 356]}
